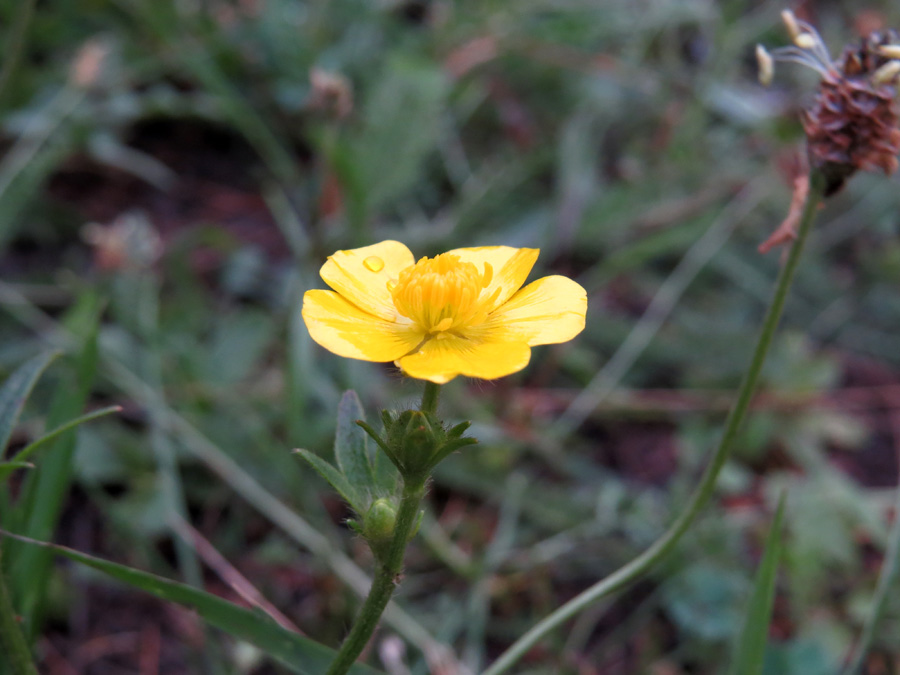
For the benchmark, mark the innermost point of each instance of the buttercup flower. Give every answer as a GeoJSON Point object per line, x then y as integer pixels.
{"type": "Point", "coordinates": [463, 312]}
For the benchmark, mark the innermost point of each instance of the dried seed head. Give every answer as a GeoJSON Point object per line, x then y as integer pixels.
{"type": "Point", "coordinates": [853, 121]}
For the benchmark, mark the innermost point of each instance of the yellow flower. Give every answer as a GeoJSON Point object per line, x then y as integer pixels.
{"type": "Point", "coordinates": [463, 312]}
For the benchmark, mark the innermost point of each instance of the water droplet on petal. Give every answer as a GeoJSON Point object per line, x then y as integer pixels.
{"type": "Point", "coordinates": [373, 263]}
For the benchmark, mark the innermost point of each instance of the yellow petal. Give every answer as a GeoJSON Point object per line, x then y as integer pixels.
{"type": "Point", "coordinates": [361, 275]}
{"type": "Point", "coordinates": [346, 330]}
{"type": "Point", "coordinates": [441, 359]}
{"type": "Point", "coordinates": [510, 267]}
{"type": "Point", "coordinates": [546, 311]}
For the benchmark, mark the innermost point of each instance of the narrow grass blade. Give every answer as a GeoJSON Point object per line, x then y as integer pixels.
{"type": "Point", "coordinates": [750, 651]}
{"type": "Point", "coordinates": [7, 468]}
{"type": "Point", "coordinates": [44, 492]}
{"type": "Point", "coordinates": [297, 653]}
{"type": "Point", "coordinates": [15, 38]}
{"type": "Point", "coordinates": [29, 449]}
{"type": "Point", "coordinates": [39, 150]}
{"type": "Point", "coordinates": [15, 391]}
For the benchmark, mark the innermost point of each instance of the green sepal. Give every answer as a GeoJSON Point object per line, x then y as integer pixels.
{"type": "Point", "coordinates": [416, 441]}
{"type": "Point", "coordinates": [459, 430]}
{"type": "Point", "coordinates": [452, 446]}
{"type": "Point", "coordinates": [378, 439]}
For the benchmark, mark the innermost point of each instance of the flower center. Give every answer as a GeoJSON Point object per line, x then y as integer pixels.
{"type": "Point", "coordinates": [443, 293]}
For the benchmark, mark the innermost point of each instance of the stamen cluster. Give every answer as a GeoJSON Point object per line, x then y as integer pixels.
{"type": "Point", "coordinates": [443, 293]}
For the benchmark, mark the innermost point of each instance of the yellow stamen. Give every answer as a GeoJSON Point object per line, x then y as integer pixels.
{"type": "Point", "coordinates": [442, 293]}
{"type": "Point", "coordinates": [766, 66]}
{"type": "Point", "coordinates": [887, 73]}
{"type": "Point", "coordinates": [790, 22]}
{"type": "Point", "coordinates": [805, 41]}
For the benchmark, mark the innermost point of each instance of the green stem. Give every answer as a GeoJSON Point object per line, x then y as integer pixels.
{"type": "Point", "coordinates": [388, 568]}
{"type": "Point", "coordinates": [662, 546]}
{"type": "Point", "coordinates": [430, 398]}
{"type": "Point", "coordinates": [387, 576]}
{"type": "Point", "coordinates": [11, 636]}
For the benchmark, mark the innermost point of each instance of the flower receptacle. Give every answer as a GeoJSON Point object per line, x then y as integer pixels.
{"type": "Point", "coordinates": [417, 441]}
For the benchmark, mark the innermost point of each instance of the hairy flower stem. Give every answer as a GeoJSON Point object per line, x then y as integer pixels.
{"type": "Point", "coordinates": [388, 569]}
{"type": "Point", "coordinates": [11, 637]}
{"type": "Point", "coordinates": [631, 571]}
{"type": "Point", "coordinates": [387, 576]}
{"type": "Point", "coordinates": [430, 398]}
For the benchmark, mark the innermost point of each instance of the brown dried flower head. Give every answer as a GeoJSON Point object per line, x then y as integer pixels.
{"type": "Point", "coordinates": [853, 122]}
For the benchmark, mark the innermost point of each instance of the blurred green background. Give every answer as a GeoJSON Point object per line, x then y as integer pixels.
{"type": "Point", "coordinates": [173, 175]}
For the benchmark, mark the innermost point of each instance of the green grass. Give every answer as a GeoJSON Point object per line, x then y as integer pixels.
{"type": "Point", "coordinates": [628, 141]}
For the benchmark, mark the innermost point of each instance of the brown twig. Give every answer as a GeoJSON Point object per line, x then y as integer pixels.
{"type": "Point", "coordinates": [227, 572]}
{"type": "Point", "coordinates": [787, 231]}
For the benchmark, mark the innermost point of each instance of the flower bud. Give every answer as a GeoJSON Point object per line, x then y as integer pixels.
{"type": "Point", "coordinates": [379, 521]}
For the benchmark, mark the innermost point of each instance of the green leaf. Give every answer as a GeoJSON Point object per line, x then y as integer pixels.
{"type": "Point", "coordinates": [386, 475]}
{"type": "Point", "coordinates": [297, 653]}
{"type": "Point", "coordinates": [749, 654]}
{"type": "Point", "coordinates": [15, 391]}
{"type": "Point", "coordinates": [351, 445]}
{"type": "Point", "coordinates": [336, 480]}
{"type": "Point", "coordinates": [29, 449]}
